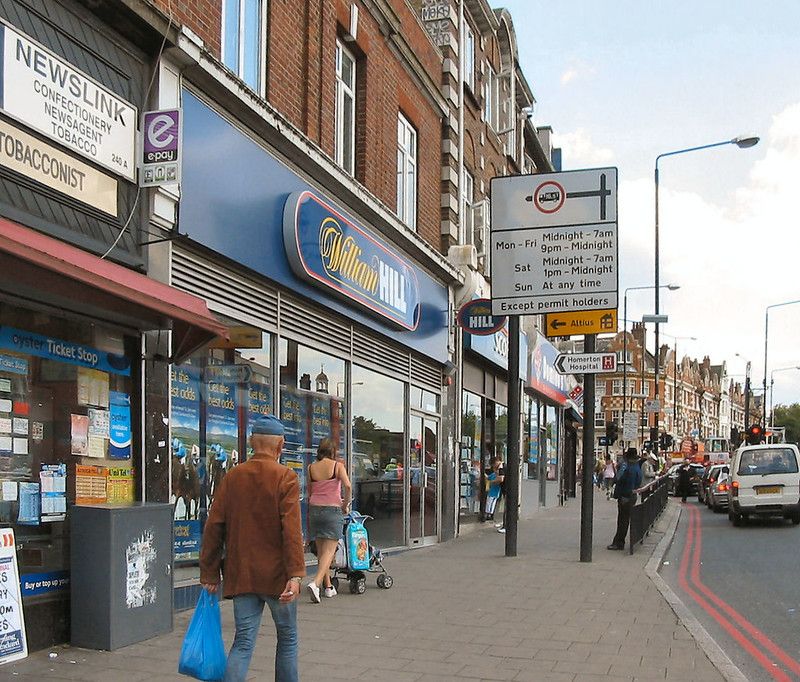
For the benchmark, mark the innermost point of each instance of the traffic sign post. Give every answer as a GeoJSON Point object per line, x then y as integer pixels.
{"type": "Point", "coordinates": [581, 322]}
{"type": "Point", "coordinates": [586, 363]}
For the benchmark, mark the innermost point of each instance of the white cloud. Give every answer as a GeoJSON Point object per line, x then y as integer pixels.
{"type": "Point", "coordinates": [580, 151]}
{"type": "Point", "coordinates": [731, 261]}
{"type": "Point", "coordinates": [569, 75]}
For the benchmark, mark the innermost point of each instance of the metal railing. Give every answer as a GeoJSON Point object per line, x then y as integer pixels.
{"type": "Point", "coordinates": [644, 514]}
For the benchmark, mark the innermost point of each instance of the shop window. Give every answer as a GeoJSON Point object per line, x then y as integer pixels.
{"type": "Point", "coordinates": [420, 399]}
{"type": "Point", "coordinates": [378, 455]}
{"type": "Point", "coordinates": [470, 455]}
{"type": "Point", "coordinates": [243, 37]}
{"type": "Point", "coordinates": [217, 394]}
{"type": "Point", "coordinates": [551, 443]}
{"type": "Point", "coordinates": [345, 109]}
{"type": "Point", "coordinates": [531, 436]}
{"type": "Point", "coordinates": [501, 432]}
{"type": "Point", "coordinates": [406, 172]}
{"type": "Point", "coordinates": [67, 400]}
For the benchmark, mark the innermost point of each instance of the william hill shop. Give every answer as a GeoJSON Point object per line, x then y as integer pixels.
{"type": "Point", "coordinates": [80, 411]}
{"type": "Point", "coordinates": [333, 328]}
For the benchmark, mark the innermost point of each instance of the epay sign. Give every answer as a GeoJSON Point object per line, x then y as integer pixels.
{"type": "Point", "coordinates": [161, 148]}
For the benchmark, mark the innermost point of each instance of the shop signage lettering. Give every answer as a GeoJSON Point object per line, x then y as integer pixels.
{"type": "Point", "coordinates": [330, 250]}
{"type": "Point", "coordinates": [543, 375]}
{"type": "Point", "coordinates": [39, 161]}
{"type": "Point", "coordinates": [8, 363]}
{"type": "Point", "coordinates": [63, 351]}
{"type": "Point", "coordinates": [475, 317]}
{"type": "Point", "coordinates": [47, 93]}
{"type": "Point", "coordinates": [13, 640]}
{"type": "Point", "coordinates": [42, 583]}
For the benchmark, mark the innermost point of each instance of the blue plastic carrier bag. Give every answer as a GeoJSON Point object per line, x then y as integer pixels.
{"type": "Point", "coordinates": [203, 652]}
{"type": "Point", "coordinates": [357, 543]}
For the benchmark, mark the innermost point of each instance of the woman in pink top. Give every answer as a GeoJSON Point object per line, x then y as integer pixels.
{"type": "Point", "coordinates": [326, 505]}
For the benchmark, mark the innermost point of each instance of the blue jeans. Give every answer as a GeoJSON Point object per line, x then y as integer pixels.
{"type": "Point", "coordinates": [247, 612]}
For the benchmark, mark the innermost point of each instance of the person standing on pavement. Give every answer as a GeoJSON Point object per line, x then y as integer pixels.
{"type": "Point", "coordinates": [684, 480]}
{"type": "Point", "coordinates": [255, 521]}
{"type": "Point", "coordinates": [326, 506]}
{"type": "Point", "coordinates": [495, 480]}
{"type": "Point", "coordinates": [628, 482]}
{"type": "Point", "coordinates": [609, 473]}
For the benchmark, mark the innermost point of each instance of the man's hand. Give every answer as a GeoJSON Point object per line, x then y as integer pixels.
{"type": "Point", "coordinates": [211, 588]}
{"type": "Point", "coordinates": [291, 591]}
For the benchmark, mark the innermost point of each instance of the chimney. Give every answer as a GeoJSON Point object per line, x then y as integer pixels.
{"type": "Point", "coordinates": [639, 332]}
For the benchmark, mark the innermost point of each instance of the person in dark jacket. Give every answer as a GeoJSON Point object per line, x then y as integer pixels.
{"type": "Point", "coordinates": [627, 484]}
{"type": "Point", "coordinates": [684, 480]}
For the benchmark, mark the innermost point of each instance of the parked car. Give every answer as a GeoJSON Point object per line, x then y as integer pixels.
{"type": "Point", "coordinates": [672, 483]}
{"type": "Point", "coordinates": [717, 495]}
{"type": "Point", "coordinates": [710, 475]}
{"type": "Point", "coordinates": [765, 481]}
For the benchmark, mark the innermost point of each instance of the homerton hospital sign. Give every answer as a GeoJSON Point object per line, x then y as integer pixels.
{"type": "Point", "coordinates": [48, 94]}
{"type": "Point", "coordinates": [554, 242]}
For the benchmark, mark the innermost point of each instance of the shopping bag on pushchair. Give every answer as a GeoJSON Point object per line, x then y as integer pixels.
{"type": "Point", "coordinates": [203, 652]}
{"type": "Point", "coordinates": [357, 543]}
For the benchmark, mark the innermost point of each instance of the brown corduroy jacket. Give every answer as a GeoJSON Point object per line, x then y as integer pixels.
{"type": "Point", "coordinates": [255, 519]}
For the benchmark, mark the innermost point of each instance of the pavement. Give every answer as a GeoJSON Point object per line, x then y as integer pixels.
{"type": "Point", "coordinates": [460, 611]}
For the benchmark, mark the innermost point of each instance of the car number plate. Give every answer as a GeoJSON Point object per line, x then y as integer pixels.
{"type": "Point", "coordinates": [768, 489]}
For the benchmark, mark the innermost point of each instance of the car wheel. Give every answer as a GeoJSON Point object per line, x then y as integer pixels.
{"type": "Point", "coordinates": [736, 518]}
{"type": "Point", "coordinates": [796, 519]}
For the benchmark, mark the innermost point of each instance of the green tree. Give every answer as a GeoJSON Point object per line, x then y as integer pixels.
{"type": "Point", "coordinates": [789, 416]}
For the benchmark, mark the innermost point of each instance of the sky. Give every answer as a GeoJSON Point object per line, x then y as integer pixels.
{"type": "Point", "coordinates": [623, 81]}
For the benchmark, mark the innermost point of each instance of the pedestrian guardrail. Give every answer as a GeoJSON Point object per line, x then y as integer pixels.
{"type": "Point", "coordinates": [652, 502]}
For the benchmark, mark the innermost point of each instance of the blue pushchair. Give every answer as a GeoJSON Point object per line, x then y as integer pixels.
{"type": "Point", "coordinates": [355, 557]}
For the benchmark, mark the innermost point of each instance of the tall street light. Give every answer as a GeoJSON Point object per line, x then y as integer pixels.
{"type": "Point", "coordinates": [671, 287]}
{"type": "Point", "coordinates": [766, 337]}
{"type": "Point", "coordinates": [743, 142]}
{"type": "Point", "coordinates": [771, 401]}
{"type": "Point", "coordinates": [747, 391]}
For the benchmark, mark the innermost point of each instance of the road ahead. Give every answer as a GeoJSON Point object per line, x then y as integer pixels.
{"type": "Point", "coordinates": [743, 584]}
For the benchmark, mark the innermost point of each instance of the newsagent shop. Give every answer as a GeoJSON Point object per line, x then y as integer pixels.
{"type": "Point", "coordinates": [76, 425]}
{"type": "Point", "coordinates": [332, 327]}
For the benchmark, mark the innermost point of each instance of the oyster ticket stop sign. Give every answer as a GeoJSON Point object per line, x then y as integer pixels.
{"type": "Point", "coordinates": [554, 245]}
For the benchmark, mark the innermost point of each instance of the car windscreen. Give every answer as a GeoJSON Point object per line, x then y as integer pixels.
{"type": "Point", "coordinates": [768, 461]}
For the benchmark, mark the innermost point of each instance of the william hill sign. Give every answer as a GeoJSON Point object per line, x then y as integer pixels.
{"type": "Point", "coordinates": [476, 318]}
{"type": "Point", "coordinates": [332, 252]}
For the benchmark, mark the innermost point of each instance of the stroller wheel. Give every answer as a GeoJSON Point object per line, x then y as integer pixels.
{"type": "Point", "coordinates": [385, 581]}
{"type": "Point", "coordinates": [358, 586]}
{"type": "Point", "coordinates": [335, 583]}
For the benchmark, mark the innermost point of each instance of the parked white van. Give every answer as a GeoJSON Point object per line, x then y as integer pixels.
{"type": "Point", "coordinates": [765, 481]}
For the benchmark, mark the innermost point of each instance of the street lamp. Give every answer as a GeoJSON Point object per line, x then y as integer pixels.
{"type": "Point", "coordinates": [747, 391]}
{"type": "Point", "coordinates": [771, 401]}
{"type": "Point", "coordinates": [675, 340]}
{"type": "Point", "coordinates": [344, 383]}
{"type": "Point", "coordinates": [671, 287]}
{"type": "Point", "coordinates": [766, 337]}
{"type": "Point", "coordinates": [743, 142]}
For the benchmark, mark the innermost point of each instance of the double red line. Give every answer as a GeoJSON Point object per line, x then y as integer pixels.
{"type": "Point", "coordinates": [768, 654]}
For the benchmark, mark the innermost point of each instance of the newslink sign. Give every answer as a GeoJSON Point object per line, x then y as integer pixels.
{"type": "Point", "coordinates": [331, 251]}
{"type": "Point", "coordinates": [47, 93]}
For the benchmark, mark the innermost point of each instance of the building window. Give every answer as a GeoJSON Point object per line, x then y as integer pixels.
{"type": "Point", "coordinates": [345, 109]}
{"type": "Point", "coordinates": [617, 386]}
{"type": "Point", "coordinates": [600, 419]}
{"type": "Point", "coordinates": [616, 416]}
{"type": "Point", "coordinates": [624, 357]}
{"type": "Point", "coordinates": [469, 57]}
{"type": "Point", "coordinates": [468, 200]}
{"type": "Point", "coordinates": [243, 31]}
{"type": "Point", "coordinates": [490, 98]}
{"type": "Point", "coordinates": [406, 172]}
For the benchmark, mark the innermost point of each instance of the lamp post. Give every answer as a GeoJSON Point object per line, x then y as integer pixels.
{"type": "Point", "coordinates": [771, 401]}
{"type": "Point", "coordinates": [671, 287]}
{"type": "Point", "coordinates": [766, 339]}
{"type": "Point", "coordinates": [747, 391]}
{"type": "Point", "coordinates": [743, 142]}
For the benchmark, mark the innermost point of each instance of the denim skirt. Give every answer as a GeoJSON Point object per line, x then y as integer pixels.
{"type": "Point", "coordinates": [324, 522]}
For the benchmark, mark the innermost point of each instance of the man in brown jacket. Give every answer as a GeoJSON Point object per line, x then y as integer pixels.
{"type": "Point", "coordinates": [255, 521]}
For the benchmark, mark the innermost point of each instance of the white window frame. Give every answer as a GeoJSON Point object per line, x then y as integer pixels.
{"type": "Point", "coordinates": [468, 63]}
{"type": "Point", "coordinates": [490, 97]}
{"type": "Point", "coordinates": [343, 91]}
{"type": "Point", "coordinates": [406, 172]}
{"type": "Point", "coordinates": [238, 69]}
{"type": "Point", "coordinates": [468, 201]}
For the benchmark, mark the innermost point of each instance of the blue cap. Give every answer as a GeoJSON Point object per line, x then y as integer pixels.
{"type": "Point", "coordinates": [269, 425]}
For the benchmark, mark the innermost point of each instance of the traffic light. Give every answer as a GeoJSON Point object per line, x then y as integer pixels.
{"type": "Point", "coordinates": [665, 442]}
{"type": "Point", "coordinates": [653, 434]}
{"type": "Point", "coordinates": [755, 434]}
{"type": "Point", "coordinates": [612, 432]}
{"type": "Point", "coordinates": [736, 437]}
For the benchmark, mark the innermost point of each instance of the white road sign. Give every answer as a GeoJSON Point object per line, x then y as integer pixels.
{"type": "Point", "coordinates": [586, 363]}
{"type": "Point", "coordinates": [554, 242]}
{"type": "Point", "coordinates": [652, 406]}
{"type": "Point", "coordinates": [630, 418]}
{"type": "Point", "coordinates": [630, 432]}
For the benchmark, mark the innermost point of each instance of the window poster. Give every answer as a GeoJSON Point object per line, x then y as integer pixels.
{"type": "Point", "coordinates": [53, 487]}
{"type": "Point", "coordinates": [90, 485]}
{"type": "Point", "coordinates": [185, 432]}
{"type": "Point", "coordinates": [92, 387]}
{"type": "Point", "coordinates": [13, 643]}
{"type": "Point", "coordinates": [222, 432]}
{"type": "Point", "coordinates": [98, 422]}
{"type": "Point", "coordinates": [294, 417]}
{"type": "Point", "coordinates": [321, 422]}
{"type": "Point", "coordinates": [29, 504]}
{"type": "Point", "coordinates": [259, 403]}
{"type": "Point", "coordinates": [119, 428]}
{"type": "Point", "coordinates": [119, 485]}
{"type": "Point", "coordinates": [79, 434]}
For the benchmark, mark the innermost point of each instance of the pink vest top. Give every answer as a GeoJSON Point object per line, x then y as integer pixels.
{"type": "Point", "coordinates": [327, 493]}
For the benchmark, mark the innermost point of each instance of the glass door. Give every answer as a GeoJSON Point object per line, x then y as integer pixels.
{"type": "Point", "coordinates": [423, 479]}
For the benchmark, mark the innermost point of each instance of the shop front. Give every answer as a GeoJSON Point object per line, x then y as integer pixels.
{"type": "Point", "coordinates": [546, 401]}
{"type": "Point", "coordinates": [332, 327]}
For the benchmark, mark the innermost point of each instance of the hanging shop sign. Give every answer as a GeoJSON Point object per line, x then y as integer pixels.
{"type": "Point", "coordinates": [331, 251]}
{"type": "Point", "coordinates": [63, 351]}
{"type": "Point", "coordinates": [50, 95]}
{"type": "Point", "coordinates": [13, 643]}
{"type": "Point", "coordinates": [475, 317]}
{"type": "Point", "coordinates": [543, 376]}
{"type": "Point", "coordinates": [161, 148]}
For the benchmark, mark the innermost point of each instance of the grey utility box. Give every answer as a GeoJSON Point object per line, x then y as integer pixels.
{"type": "Point", "coordinates": [121, 574]}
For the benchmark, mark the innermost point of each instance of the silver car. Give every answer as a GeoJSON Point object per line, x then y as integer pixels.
{"type": "Point", "coordinates": [717, 497]}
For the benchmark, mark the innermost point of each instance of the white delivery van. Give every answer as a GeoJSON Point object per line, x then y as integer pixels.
{"type": "Point", "coordinates": [765, 481]}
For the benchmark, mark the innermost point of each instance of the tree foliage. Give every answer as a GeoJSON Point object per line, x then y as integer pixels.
{"type": "Point", "coordinates": [789, 416]}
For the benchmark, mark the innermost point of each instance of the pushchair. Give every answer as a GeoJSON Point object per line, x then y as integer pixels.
{"type": "Point", "coordinates": [355, 557]}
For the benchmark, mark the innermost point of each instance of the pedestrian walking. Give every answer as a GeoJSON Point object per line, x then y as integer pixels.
{"type": "Point", "coordinates": [684, 480]}
{"type": "Point", "coordinates": [609, 473]}
{"type": "Point", "coordinates": [326, 505]}
{"type": "Point", "coordinates": [495, 478]}
{"type": "Point", "coordinates": [255, 519]}
{"type": "Point", "coordinates": [627, 484]}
